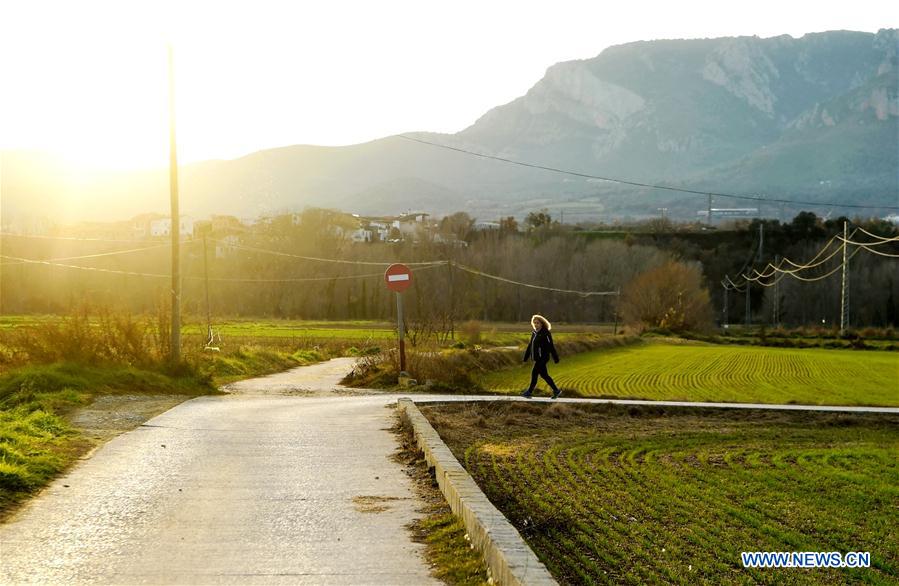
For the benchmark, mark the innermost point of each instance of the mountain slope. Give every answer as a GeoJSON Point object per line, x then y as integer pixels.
{"type": "Point", "coordinates": [814, 118]}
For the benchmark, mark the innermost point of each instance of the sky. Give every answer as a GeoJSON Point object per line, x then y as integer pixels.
{"type": "Point", "coordinates": [87, 80]}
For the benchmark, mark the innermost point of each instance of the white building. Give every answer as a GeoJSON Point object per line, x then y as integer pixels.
{"type": "Point", "coordinates": [163, 226]}
{"type": "Point", "coordinates": [226, 245]}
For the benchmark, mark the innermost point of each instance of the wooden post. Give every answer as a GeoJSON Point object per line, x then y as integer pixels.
{"type": "Point", "coordinates": [176, 220]}
{"type": "Point", "coordinates": [206, 279]}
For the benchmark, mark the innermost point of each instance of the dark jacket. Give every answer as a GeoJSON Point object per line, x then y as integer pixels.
{"type": "Point", "coordinates": [541, 346]}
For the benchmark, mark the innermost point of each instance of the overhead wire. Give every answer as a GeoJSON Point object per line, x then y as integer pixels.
{"type": "Point", "coordinates": [319, 259]}
{"type": "Point", "coordinates": [810, 265]}
{"type": "Point", "coordinates": [307, 279]}
{"type": "Point", "coordinates": [809, 279]}
{"type": "Point", "coordinates": [878, 237]}
{"type": "Point", "coordinates": [532, 286]}
{"type": "Point", "coordinates": [98, 255]}
{"type": "Point", "coordinates": [68, 238]}
{"type": "Point", "coordinates": [418, 267]}
{"type": "Point", "coordinates": [850, 241]}
{"type": "Point", "coordinates": [193, 278]}
{"type": "Point", "coordinates": [32, 261]}
{"type": "Point", "coordinates": [871, 250]}
{"type": "Point", "coordinates": [731, 286]}
{"type": "Point", "coordinates": [640, 183]}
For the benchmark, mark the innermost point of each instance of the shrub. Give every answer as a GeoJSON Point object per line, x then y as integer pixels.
{"type": "Point", "coordinates": [471, 331]}
{"type": "Point", "coordinates": [670, 296]}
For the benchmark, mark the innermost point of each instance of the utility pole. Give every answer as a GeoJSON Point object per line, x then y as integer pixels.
{"type": "Point", "coordinates": [452, 295]}
{"type": "Point", "coordinates": [776, 293]}
{"type": "Point", "coordinates": [748, 314]}
{"type": "Point", "coordinates": [844, 292]}
{"type": "Point", "coordinates": [725, 312]}
{"type": "Point", "coordinates": [710, 210]}
{"type": "Point", "coordinates": [761, 242]}
{"type": "Point", "coordinates": [206, 279]}
{"type": "Point", "coordinates": [176, 220]}
{"type": "Point", "coordinates": [617, 303]}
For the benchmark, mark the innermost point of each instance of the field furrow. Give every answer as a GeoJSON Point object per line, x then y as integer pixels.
{"type": "Point", "coordinates": [702, 372]}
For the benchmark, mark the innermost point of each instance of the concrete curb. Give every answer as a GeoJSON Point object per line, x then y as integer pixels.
{"type": "Point", "coordinates": [508, 557]}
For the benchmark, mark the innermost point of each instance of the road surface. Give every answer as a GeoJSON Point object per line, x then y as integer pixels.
{"type": "Point", "coordinates": [282, 481]}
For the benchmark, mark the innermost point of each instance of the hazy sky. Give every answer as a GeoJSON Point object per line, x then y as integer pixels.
{"type": "Point", "coordinates": [88, 79]}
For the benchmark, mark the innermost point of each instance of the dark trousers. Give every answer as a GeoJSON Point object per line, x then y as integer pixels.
{"type": "Point", "coordinates": [540, 369]}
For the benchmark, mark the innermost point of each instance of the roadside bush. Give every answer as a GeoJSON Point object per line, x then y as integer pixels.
{"type": "Point", "coordinates": [471, 331]}
{"type": "Point", "coordinates": [92, 336]}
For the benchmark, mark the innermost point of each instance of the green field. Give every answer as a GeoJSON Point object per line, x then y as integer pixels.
{"type": "Point", "coordinates": [355, 331]}
{"type": "Point", "coordinates": [297, 329]}
{"type": "Point", "coordinates": [614, 494]}
{"type": "Point", "coordinates": [701, 372]}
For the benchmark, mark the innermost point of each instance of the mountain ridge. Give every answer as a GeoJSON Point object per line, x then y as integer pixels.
{"type": "Point", "coordinates": [811, 118]}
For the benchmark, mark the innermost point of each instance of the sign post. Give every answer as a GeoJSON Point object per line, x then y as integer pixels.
{"type": "Point", "coordinates": [398, 278]}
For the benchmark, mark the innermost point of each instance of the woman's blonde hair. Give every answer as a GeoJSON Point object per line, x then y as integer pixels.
{"type": "Point", "coordinates": [537, 317]}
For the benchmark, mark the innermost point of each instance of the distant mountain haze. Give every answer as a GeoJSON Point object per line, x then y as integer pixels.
{"type": "Point", "coordinates": [814, 118]}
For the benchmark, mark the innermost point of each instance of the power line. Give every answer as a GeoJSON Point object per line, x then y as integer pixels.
{"type": "Point", "coordinates": [641, 184]}
{"type": "Point", "coordinates": [811, 264]}
{"type": "Point", "coordinates": [878, 237]}
{"type": "Point", "coordinates": [731, 286]}
{"type": "Point", "coordinates": [312, 279]}
{"type": "Point", "coordinates": [806, 279]}
{"type": "Point", "coordinates": [99, 254]}
{"type": "Point", "coordinates": [308, 279]}
{"type": "Point", "coordinates": [68, 238]}
{"type": "Point", "coordinates": [98, 269]}
{"type": "Point", "coordinates": [318, 259]}
{"type": "Point", "coordinates": [532, 286]}
{"type": "Point", "coordinates": [814, 262]}
{"type": "Point", "coordinates": [871, 250]}
{"type": "Point", "coordinates": [877, 243]}
{"type": "Point", "coordinates": [191, 278]}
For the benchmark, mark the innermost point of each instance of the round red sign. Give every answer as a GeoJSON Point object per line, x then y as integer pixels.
{"type": "Point", "coordinates": [398, 277]}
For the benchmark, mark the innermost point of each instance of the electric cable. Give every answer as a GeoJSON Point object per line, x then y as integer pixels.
{"type": "Point", "coordinates": [318, 259]}
{"type": "Point", "coordinates": [639, 183]}
{"type": "Point", "coordinates": [883, 238]}
{"type": "Point", "coordinates": [99, 254]}
{"type": "Point", "coordinates": [532, 286]}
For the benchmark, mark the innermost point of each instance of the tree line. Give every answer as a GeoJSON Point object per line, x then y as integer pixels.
{"type": "Point", "coordinates": [250, 283]}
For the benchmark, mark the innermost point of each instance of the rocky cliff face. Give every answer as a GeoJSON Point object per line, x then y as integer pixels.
{"type": "Point", "coordinates": [674, 109]}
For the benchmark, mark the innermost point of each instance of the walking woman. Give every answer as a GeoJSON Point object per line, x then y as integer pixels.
{"type": "Point", "coordinates": [541, 348]}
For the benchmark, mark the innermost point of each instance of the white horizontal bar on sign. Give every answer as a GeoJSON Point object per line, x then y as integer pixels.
{"type": "Point", "coordinates": [392, 278]}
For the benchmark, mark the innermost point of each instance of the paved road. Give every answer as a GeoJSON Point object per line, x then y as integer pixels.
{"type": "Point", "coordinates": [281, 482]}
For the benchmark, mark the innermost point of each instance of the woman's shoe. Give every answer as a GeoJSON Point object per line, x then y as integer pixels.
{"type": "Point", "coordinates": [526, 394]}
{"type": "Point", "coordinates": [556, 393]}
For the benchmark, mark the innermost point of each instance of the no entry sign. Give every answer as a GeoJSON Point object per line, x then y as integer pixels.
{"type": "Point", "coordinates": [398, 277]}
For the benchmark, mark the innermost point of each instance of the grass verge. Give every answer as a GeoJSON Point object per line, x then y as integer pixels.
{"type": "Point", "coordinates": [448, 551]}
{"type": "Point", "coordinates": [610, 494]}
{"type": "Point", "coordinates": [37, 440]}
